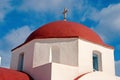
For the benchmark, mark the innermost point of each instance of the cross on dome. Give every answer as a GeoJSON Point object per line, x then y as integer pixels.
{"type": "Point", "coordinates": [64, 13]}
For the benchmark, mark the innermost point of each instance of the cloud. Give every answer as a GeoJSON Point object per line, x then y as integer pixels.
{"type": "Point", "coordinates": [5, 58]}
{"type": "Point", "coordinates": [45, 5]}
{"type": "Point", "coordinates": [78, 10]}
{"type": "Point", "coordinates": [117, 68]}
{"type": "Point", "coordinates": [5, 7]}
{"type": "Point", "coordinates": [108, 27]}
{"type": "Point", "coordinates": [14, 38]}
{"type": "Point", "coordinates": [108, 23]}
{"type": "Point", "coordinates": [17, 36]}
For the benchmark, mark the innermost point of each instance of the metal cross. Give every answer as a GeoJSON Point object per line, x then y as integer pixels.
{"type": "Point", "coordinates": [64, 13]}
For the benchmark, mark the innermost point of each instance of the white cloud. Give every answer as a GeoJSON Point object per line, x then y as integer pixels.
{"type": "Point", "coordinates": [117, 68]}
{"type": "Point", "coordinates": [55, 6]}
{"type": "Point", "coordinates": [79, 8]}
{"type": "Point", "coordinates": [91, 13]}
{"type": "Point", "coordinates": [5, 58]}
{"type": "Point", "coordinates": [109, 23]}
{"type": "Point", "coordinates": [14, 38]}
{"type": "Point", "coordinates": [108, 27]}
{"type": "Point", "coordinates": [5, 7]}
{"type": "Point", "coordinates": [45, 5]}
{"type": "Point", "coordinates": [17, 36]}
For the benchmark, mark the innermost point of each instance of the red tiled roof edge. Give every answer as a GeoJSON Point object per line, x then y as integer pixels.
{"type": "Point", "coordinates": [81, 76]}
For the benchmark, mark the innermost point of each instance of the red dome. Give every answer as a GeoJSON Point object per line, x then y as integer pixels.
{"type": "Point", "coordinates": [8, 74]}
{"type": "Point", "coordinates": [65, 29]}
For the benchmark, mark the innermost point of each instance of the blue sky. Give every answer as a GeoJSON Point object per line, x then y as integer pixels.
{"type": "Point", "coordinates": [18, 18]}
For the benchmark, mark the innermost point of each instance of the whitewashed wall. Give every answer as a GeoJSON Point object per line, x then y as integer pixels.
{"type": "Point", "coordinates": [85, 57]}
{"type": "Point", "coordinates": [74, 53]}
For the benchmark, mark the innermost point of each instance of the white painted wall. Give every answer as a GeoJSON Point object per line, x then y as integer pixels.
{"type": "Point", "coordinates": [64, 72]}
{"type": "Point", "coordinates": [42, 72]}
{"type": "Point", "coordinates": [28, 50]}
{"type": "Point", "coordinates": [85, 57]}
{"type": "Point", "coordinates": [75, 58]}
{"type": "Point", "coordinates": [41, 54]}
{"type": "Point", "coordinates": [37, 54]}
{"type": "Point", "coordinates": [68, 52]}
{"type": "Point", "coordinates": [98, 76]}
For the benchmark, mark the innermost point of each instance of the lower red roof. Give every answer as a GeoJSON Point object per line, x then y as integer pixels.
{"type": "Point", "coordinates": [9, 74]}
{"type": "Point", "coordinates": [77, 78]}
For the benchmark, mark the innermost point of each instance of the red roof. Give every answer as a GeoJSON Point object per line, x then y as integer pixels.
{"type": "Point", "coordinates": [78, 77]}
{"type": "Point", "coordinates": [8, 74]}
{"type": "Point", "coordinates": [65, 29]}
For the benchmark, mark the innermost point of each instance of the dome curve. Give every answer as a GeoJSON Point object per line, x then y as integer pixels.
{"type": "Point", "coordinates": [98, 76]}
{"type": "Point", "coordinates": [65, 29]}
{"type": "Point", "coordinates": [9, 74]}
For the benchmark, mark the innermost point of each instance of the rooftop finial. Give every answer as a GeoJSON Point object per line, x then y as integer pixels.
{"type": "Point", "coordinates": [64, 13]}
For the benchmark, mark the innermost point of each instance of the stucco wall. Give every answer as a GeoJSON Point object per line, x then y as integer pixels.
{"type": "Point", "coordinates": [27, 50]}
{"type": "Point", "coordinates": [64, 72]}
{"type": "Point", "coordinates": [98, 76]}
{"type": "Point", "coordinates": [68, 52]}
{"type": "Point", "coordinates": [42, 72]}
{"type": "Point", "coordinates": [37, 54]}
{"type": "Point", "coordinates": [73, 52]}
{"type": "Point", "coordinates": [85, 57]}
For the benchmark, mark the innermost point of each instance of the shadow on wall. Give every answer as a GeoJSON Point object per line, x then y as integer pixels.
{"type": "Point", "coordinates": [28, 75]}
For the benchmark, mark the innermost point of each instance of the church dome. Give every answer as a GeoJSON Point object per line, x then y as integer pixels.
{"type": "Point", "coordinates": [9, 74]}
{"type": "Point", "coordinates": [65, 29]}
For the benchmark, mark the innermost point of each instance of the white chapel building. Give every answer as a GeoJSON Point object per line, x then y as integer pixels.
{"type": "Point", "coordinates": [61, 50]}
{"type": "Point", "coordinates": [64, 50]}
